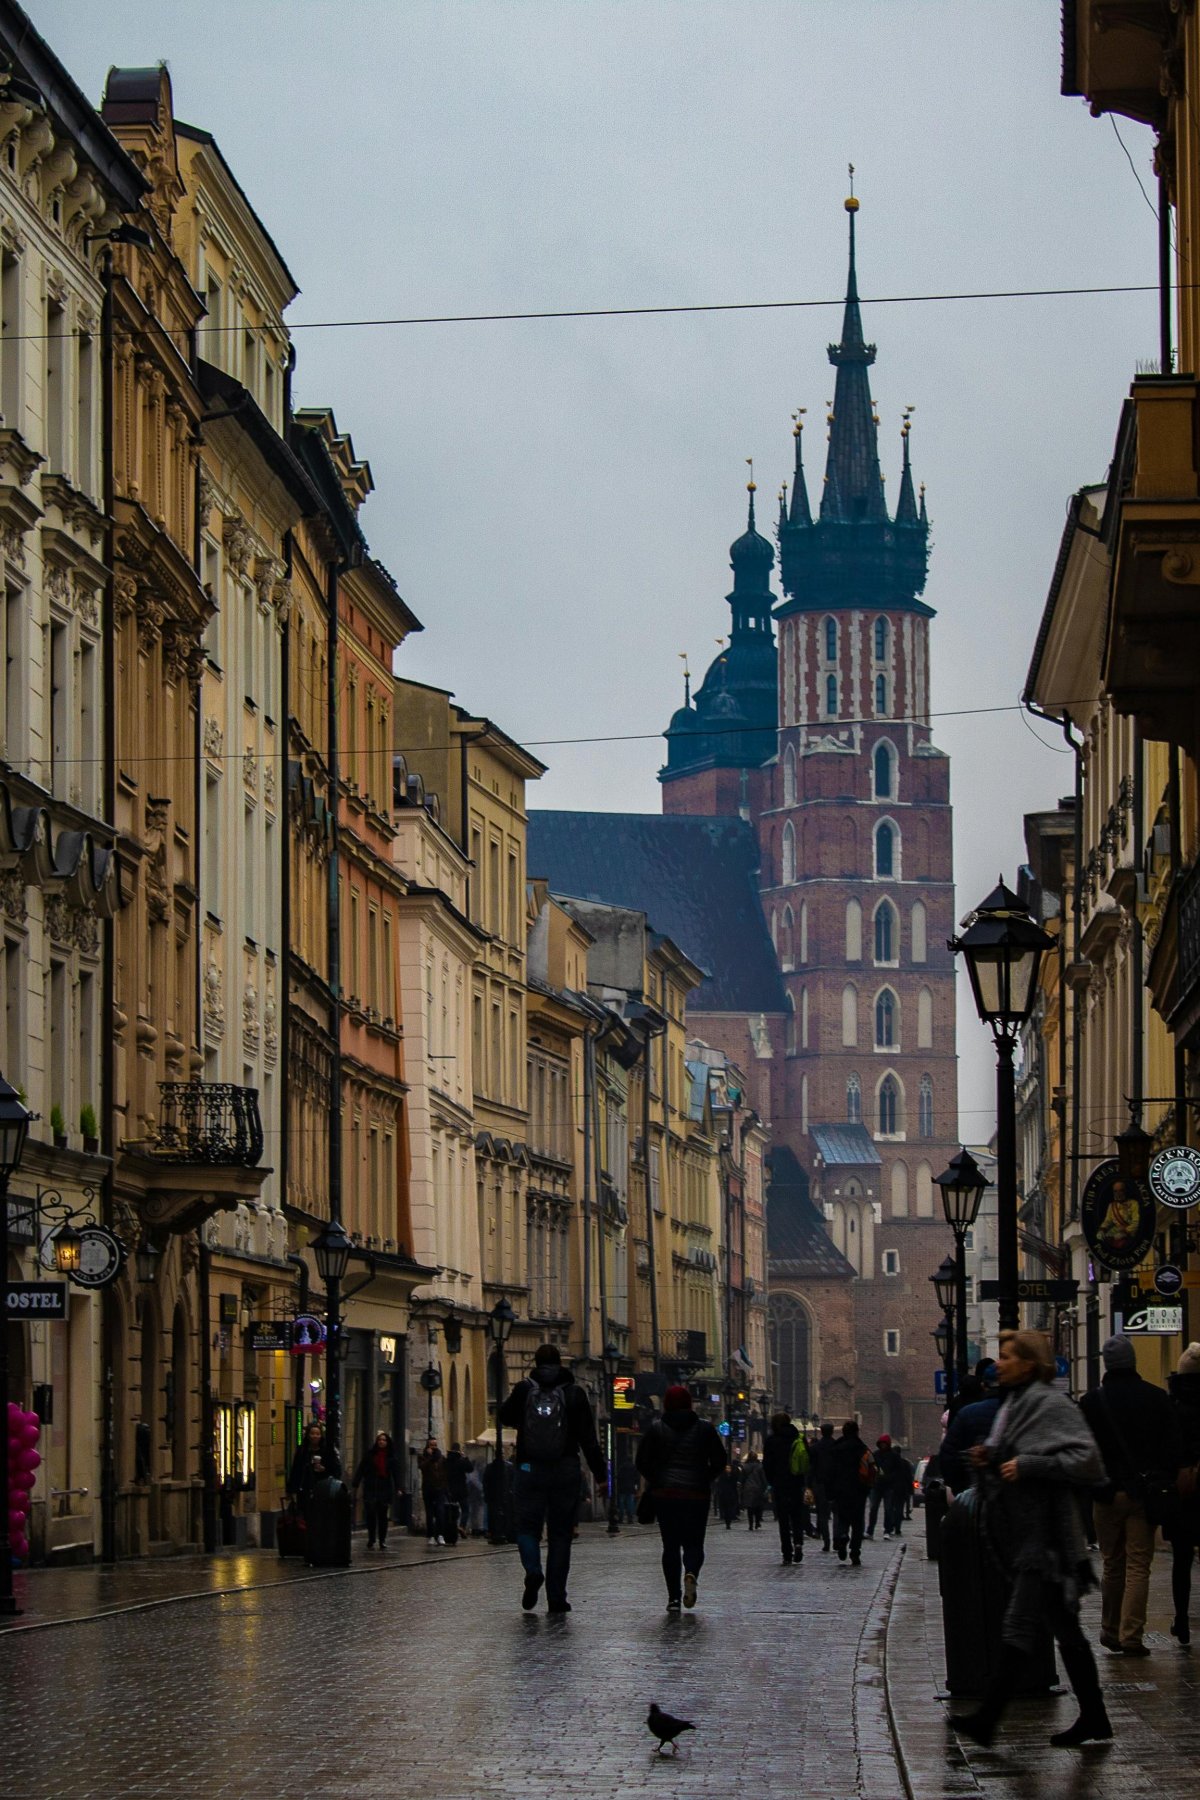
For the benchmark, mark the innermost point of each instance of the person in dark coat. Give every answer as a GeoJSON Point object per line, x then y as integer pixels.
{"type": "Point", "coordinates": [729, 1495]}
{"type": "Point", "coordinates": [458, 1469]}
{"type": "Point", "coordinates": [787, 1491]}
{"type": "Point", "coordinates": [821, 1467]}
{"type": "Point", "coordinates": [302, 1477]}
{"type": "Point", "coordinates": [849, 1493]}
{"type": "Point", "coordinates": [679, 1456]}
{"type": "Point", "coordinates": [1137, 1430]}
{"type": "Point", "coordinates": [554, 1427]}
{"type": "Point", "coordinates": [898, 1493]}
{"type": "Point", "coordinates": [883, 1462]}
{"type": "Point", "coordinates": [378, 1475]}
{"type": "Point", "coordinates": [1183, 1522]}
{"type": "Point", "coordinates": [754, 1491]}
{"type": "Point", "coordinates": [970, 1425]}
{"type": "Point", "coordinates": [434, 1488]}
{"type": "Point", "coordinates": [627, 1487]}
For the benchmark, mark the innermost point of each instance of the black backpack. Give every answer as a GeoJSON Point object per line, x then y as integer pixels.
{"type": "Point", "coordinates": [544, 1434]}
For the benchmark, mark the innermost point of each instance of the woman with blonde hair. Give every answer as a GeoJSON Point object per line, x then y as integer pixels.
{"type": "Point", "coordinates": [1038, 1454]}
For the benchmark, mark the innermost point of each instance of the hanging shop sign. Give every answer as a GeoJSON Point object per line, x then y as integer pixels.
{"type": "Point", "coordinates": [308, 1333]}
{"type": "Point", "coordinates": [1117, 1215]}
{"type": "Point", "coordinates": [36, 1299]}
{"type": "Point", "coordinates": [1168, 1279]}
{"type": "Point", "coordinates": [431, 1379]}
{"type": "Point", "coordinates": [1175, 1176]}
{"type": "Point", "coordinates": [269, 1334]}
{"type": "Point", "coordinates": [623, 1393]}
{"type": "Point", "coordinates": [102, 1256]}
{"type": "Point", "coordinates": [1054, 1293]}
{"type": "Point", "coordinates": [1153, 1321]}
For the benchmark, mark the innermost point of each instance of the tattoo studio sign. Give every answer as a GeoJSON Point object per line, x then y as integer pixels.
{"type": "Point", "coordinates": [1117, 1215]}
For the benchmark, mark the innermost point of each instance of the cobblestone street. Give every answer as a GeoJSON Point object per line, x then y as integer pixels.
{"type": "Point", "coordinates": [419, 1675]}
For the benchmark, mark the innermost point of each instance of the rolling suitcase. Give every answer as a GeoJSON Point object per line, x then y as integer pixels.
{"type": "Point", "coordinates": [290, 1533]}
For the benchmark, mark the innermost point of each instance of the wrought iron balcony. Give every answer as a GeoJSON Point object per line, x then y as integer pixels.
{"type": "Point", "coordinates": [209, 1122]}
{"type": "Point", "coordinates": [685, 1349]}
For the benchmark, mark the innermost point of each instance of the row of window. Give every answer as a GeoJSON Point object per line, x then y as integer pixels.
{"type": "Point", "coordinates": [885, 852]}
{"type": "Point", "coordinates": [886, 1016]}
{"type": "Point", "coordinates": [833, 703]}
{"type": "Point", "coordinates": [889, 1105]}
{"type": "Point", "coordinates": [881, 637]}
{"type": "Point", "coordinates": [790, 935]}
{"type": "Point", "coordinates": [885, 764]}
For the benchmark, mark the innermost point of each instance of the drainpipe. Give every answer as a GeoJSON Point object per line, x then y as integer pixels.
{"type": "Point", "coordinates": [303, 1305]}
{"type": "Point", "coordinates": [588, 1080]}
{"type": "Point", "coordinates": [655, 1345]}
{"type": "Point", "coordinates": [108, 1299]}
{"type": "Point", "coordinates": [208, 1460]}
{"type": "Point", "coordinates": [333, 1396]}
{"type": "Point", "coordinates": [1166, 357]}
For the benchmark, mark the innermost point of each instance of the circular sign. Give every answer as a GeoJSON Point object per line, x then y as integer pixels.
{"type": "Point", "coordinates": [1117, 1215]}
{"type": "Point", "coordinates": [101, 1258]}
{"type": "Point", "coordinates": [1175, 1176]}
{"type": "Point", "coordinates": [308, 1333]}
{"type": "Point", "coordinates": [431, 1380]}
{"type": "Point", "coordinates": [1168, 1279]}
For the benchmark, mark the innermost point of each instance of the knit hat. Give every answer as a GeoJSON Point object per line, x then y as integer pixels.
{"type": "Point", "coordinates": [1189, 1362]}
{"type": "Point", "coordinates": [676, 1398]}
{"type": "Point", "coordinates": [883, 1441]}
{"type": "Point", "coordinates": [1118, 1353]}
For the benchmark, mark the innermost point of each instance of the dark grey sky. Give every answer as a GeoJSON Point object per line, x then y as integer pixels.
{"type": "Point", "coordinates": [556, 499]}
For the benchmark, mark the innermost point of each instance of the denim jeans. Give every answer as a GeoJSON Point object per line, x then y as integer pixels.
{"type": "Point", "coordinates": [681, 1525]}
{"type": "Point", "coordinates": [547, 1495]}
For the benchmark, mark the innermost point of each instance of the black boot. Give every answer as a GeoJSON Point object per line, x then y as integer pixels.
{"type": "Point", "coordinates": [1093, 1721]}
{"type": "Point", "coordinates": [980, 1726]}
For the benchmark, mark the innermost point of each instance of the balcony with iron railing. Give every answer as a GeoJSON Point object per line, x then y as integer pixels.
{"type": "Point", "coordinates": [211, 1123]}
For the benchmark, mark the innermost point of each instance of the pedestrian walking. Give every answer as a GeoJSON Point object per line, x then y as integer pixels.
{"type": "Point", "coordinates": [476, 1503]}
{"type": "Point", "coordinates": [312, 1463]}
{"type": "Point", "coordinates": [787, 1490]}
{"type": "Point", "coordinates": [854, 1476]}
{"type": "Point", "coordinates": [970, 1425]}
{"type": "Point", "coordinates": [1137, 1430]}
{"type": "Point", "coordinates": [434, 1485]}
{"type": "Point", "coordinates": [1039, 1455]}
{"type": "Point", "coordinates": [378, 1475]}
{"type": "Point", "coordinates": [729, 1495]}
{"type": "Point", "coordinates": [1183, 1520]}
{"type": "Point", "coordinates": [821, 1474]}
{"type": "Point", "coordinates": [458, 1468]}
{"type": "Point", "coordinates": [899, 1493]}
{"type": "Point", "coordinates": [884, 1463]}
{"type": "Point", "coordinates": [627, 1487]}
{"type": "Point", "coordinates": [679, 1455]}
{"type": "Point", "coordinates": [754, 1491]}
{"type": "Point", "coordinates": [554, 1425]}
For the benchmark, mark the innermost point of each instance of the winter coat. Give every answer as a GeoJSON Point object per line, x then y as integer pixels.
{"type": "Point", "coordinates": [377, 1489]}
{"type": "Point", "coordinates": [458, 1467]}
{"type": "Point", "coordinates": [1034, 1522]}
{"type": "Point", "coordinates": [432, 1465]}
{"type": "Point", "coordinates": [970, 1425]}
{"type": "Point", "coordinates": [301, 1479]}
{"type": "Point", "coordinates": [754, 1487]}
{"type": "Point", "coordinates": [821, 1462]}
{"type": "Point", "coordinates": [777, 1459]}
{"type": "Point", "coordinates": [580, 1426]}
{"type": "Point", "coordinates": [1136, 1427]}
{"type": "Point", "coordinates": [844, 1485]}
{"type": "Point", "coordinates": [1185, 1398]}
{"type": "Point", "coordinates": [680, 1455]}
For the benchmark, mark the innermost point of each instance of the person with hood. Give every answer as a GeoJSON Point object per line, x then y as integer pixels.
{"type": "Point", "coordinates": [1137, 1430]}
{"type": "Point", "coordinates": [754, 1491]}
{"type": "Point", "coordinates": [821, 1461]}
{"type": "Point", "coordinates": [378, 1475]}
{"type": "Point", "coordinates": [852, 1478]}
{"type": "Point", "coordinates": [679, 1456]}
{"type": "Point", "coordinates": [1039, 1454]}
{"type": "Point", "coordinates": [787, 1490]}
{"type": "Point", "coordinates": [1183, 1522]}
{"type": "Point", "coordinates": [554, 1425]}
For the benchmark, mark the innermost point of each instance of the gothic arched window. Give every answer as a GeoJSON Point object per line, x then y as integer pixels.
{"type": "Point", "coordinates": [789, 854]}
{"type": "Point", "coordinates": [882, 768]}
{"type": "Point", "coordinates": [881, 701]}
{"type": "Point", "coordinates": [787, 953]}
{"type": "Point", "coordinates": [854, 1100]}
{"type": "Point", "coordinates": [789, 776]}
{"type": "Point", "coordinates": [885, 1020]}
{"type": "Point", "coordinates": [831, 640]}
{"type": "Point", "coordinates": [919, 921]}
{"type": "Point", "coordinates": [925, 1107]}
{"type": "Point", "coordinates": [886, 838]}
{"type": "Point", "coordinates": [881, 640]}
{"type": "Point", "coordinates": [850, 1015]}
{"type": "Point", "coordinates": [853, 931]}
{"type": "Point", "coordinates": [888, 1106]}
{"type": "Point", "coordinates": [886, 932]}
{"type": "Point", "coordinates": [831, 696]}
{"type": "Point", "coordinates": [790, 1333]}
{"type": "Point", "coordinates": [789, 1027]}
{"type": "Point", "coordinates": [802, 947]}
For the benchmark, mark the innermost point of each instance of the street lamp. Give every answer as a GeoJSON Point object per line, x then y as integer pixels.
{"type": "Point", "coordinates": [1003, 949]}
{"type": "Point", "coordinates": [941, 1337]}
{"type": "Point", "coordinates": [331, 1248]}
{"type": "Point", "coordinates": [501, 1320]}
{"type": "Point", "coordinates": [147, 1257]}
{"type": "Point", "coordinates": [962, 1186]}
{"type": "Point", "coordinates": [610, 1356]}
{"type": "Point", "coordinates": [14, 1129]}
{"type": "Point", "coordinates": [68, 1249]}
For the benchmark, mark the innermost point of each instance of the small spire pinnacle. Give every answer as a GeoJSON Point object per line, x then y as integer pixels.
{"type": "Point", "coordinates": [751, 489]}
{"type": "Point", "coordinates": [687, 680]}
{"type": "Point", "coordinates": [801, 513]}
{"type": "Point", "coordinates": [906, 506]}
{"type": "Point", "coordinates": [783, 516]}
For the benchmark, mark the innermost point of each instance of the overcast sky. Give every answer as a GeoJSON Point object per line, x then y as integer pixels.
{"type": "Point", "coordinates": [556, 499]}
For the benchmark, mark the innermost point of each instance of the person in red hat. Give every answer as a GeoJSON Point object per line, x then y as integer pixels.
{"type": "Point", "coordinates": [680, 1456]}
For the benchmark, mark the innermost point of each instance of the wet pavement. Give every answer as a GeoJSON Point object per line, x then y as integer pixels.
{"type": "Point", "coordinates": [418, 1674]}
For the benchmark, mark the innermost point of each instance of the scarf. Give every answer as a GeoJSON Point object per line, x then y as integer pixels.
{"type": "Point", "coordinates": [1034, 1522]}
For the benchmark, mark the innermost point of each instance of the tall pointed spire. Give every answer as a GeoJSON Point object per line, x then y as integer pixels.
{"type": "Point", "coordinates": [906, 506]}
{"type": "Point", "coordinates": [801, 513]}
{"type": "Point", "coordinates": [855, 485]}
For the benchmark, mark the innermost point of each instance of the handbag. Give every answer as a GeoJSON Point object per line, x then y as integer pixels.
{"type": "Point", "coordinates": [646, 1513]}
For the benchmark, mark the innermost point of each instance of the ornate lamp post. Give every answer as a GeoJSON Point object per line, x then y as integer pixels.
{"type": "Point", "coordinates": [944, 1284]}
{"type": "Point", "coordinates": [1003, 950]}
{"type": "Point", "coordinates": [14, 1129]}
{"type": "Point", "coordinates": [501, 1320]}
{"type": "Point", "coordinates": [331, 1247]}
{"type": "Point", "coordinates": [962, 1186]}
{"type": "Point", "coordinates": [611, 1358]}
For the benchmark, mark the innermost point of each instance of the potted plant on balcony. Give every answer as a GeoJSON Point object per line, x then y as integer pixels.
{"type": "Point", "coordinates": [89, 1129]}
{"type": "Point", "coordinates": [58, 1126]}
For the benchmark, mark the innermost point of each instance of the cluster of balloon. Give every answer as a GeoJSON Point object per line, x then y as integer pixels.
{"type": "Point", "coordinates": [24, 1429]}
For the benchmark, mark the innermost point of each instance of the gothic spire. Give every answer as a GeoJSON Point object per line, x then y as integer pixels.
{"type": "Point", "coordinates": [854, 485]}
{"type": "Point", "coordinates": [906, 506]}
{"type": "Point", "coordinates": [801, 513]}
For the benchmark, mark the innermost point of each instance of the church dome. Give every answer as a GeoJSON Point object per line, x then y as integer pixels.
{"type": "Point", "coordinates": [751, 551]}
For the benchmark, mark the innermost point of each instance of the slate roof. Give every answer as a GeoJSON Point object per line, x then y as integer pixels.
{"type": "Point", "coordinates": [694, 878]}
{"type": "Point", "coordinates": [798, 1245]}
{"type": "Point", "coordinates": [846, 1146]}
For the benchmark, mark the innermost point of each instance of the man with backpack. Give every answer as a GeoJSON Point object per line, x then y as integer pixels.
{"type": "Point", "coordinates": [554, 1424]}
{"type": "Point", "coordinates": [853, 1476]}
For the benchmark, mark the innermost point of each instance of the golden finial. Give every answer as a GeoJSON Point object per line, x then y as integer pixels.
{"type": "Point", "coordinates": [751, 486]}
{"type": "Point", "coordinates": [798, 415]}
{"type": "Point", "coordinates": [851, 202]}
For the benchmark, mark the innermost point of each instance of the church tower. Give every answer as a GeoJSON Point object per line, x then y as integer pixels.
{"type": "Point", "coordinates": [855, 837]}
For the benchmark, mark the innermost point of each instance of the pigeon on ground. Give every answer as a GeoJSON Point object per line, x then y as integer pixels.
{"type": "Point", "coordinates": [666, 1729]}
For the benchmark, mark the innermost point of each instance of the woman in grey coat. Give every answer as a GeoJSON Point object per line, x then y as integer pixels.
{"type": "Point", "coordinates": [1037, 1457]}
{"type": "Point", "coordinates": [754, 1490]}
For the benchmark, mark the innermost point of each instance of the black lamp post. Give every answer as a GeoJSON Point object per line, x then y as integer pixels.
{"type": "Point", "coordinates": [962, 1186]}
{"type": "Point", "coordinates": [610, 1356]}
{"type": "Point", "coordinates": [14, 1129]}
{"type": "Point", "coordinates": [1003, 950]}
{"type": "Point", "coordinates": [331, 1247]}
{"type": "Point", "coordinates": [942, 1337]}
{"type": "Point", "coordinates": [501, 1320]}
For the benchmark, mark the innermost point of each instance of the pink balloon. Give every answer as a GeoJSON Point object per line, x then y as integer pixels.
{"type": "Point", "coordinates": [30, 1435]}
{"type": "Point", "coordinates": [29, 1459]}
{"type": "Point", "coordinates": [20, 1548]}
{"type": "Point", "coordinates": [24, 1478]}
